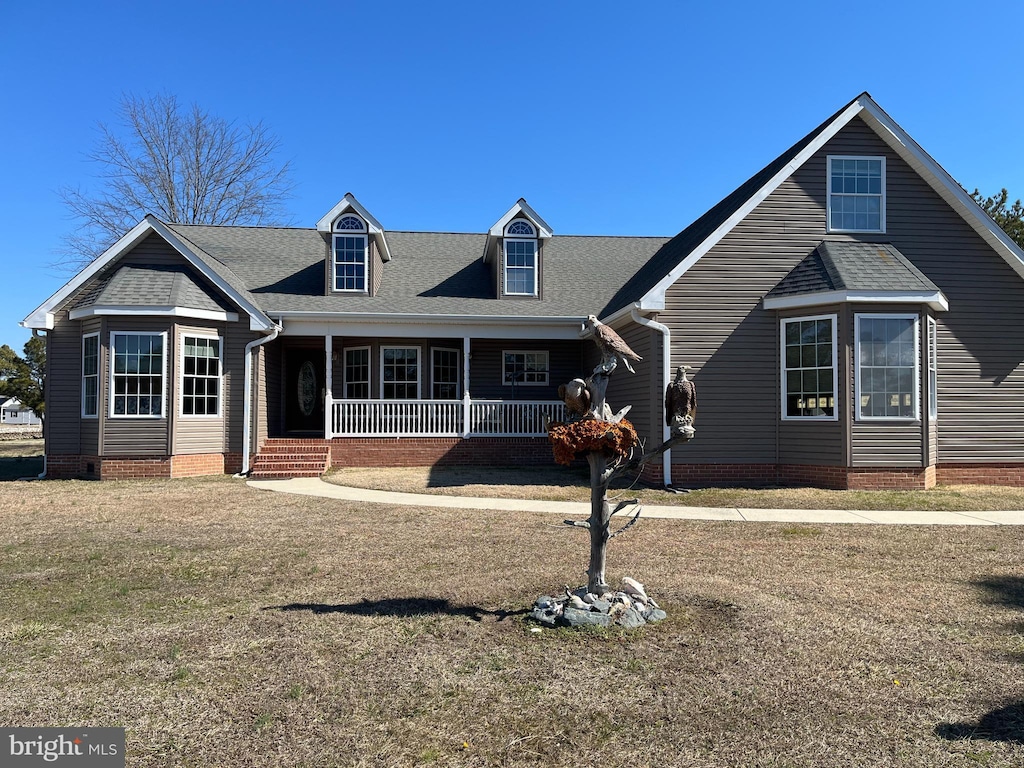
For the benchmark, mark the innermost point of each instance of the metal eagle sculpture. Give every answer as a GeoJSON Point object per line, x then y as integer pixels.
{"type": "Point", "coordinates": [612, 347]}
{"type": "Point", "coordinates": [681, 402]}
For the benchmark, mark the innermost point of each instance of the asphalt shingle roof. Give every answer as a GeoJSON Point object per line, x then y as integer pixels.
{"type": "Point", "coordinates": [851, 266]}
{"type": "Point", "coordinates": [153, 285]}
{"type": "Point", "coordinates": [431, 273]}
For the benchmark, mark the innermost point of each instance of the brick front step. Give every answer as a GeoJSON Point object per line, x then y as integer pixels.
{"type": "Point", "coordinates": [279, 460]}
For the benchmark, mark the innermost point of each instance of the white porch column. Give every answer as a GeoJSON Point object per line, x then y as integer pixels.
{"type": "Point", "coordinates": [329, 376]}
{"type": "Point", "coordinates": [466, 401]}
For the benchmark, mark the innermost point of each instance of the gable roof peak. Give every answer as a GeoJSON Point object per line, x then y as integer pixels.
{"type": "Point", "coordinates": [521, 209]}
{"type": "Point", "coordinates": [349, 203]}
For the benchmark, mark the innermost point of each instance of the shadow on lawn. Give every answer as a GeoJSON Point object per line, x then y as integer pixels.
{"type": "Point", "coordinates": [1005, 723]}
{"type": "Point", "coordinates": [403, 607]}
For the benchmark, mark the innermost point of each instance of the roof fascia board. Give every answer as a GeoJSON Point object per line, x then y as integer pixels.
{"type": "Point", "coordinates": [372, 326]}
{"type": "Point", "coordinates": [159, 311]}
{"type": "Point", "coordinates": [257, 320]}
{"type": "Point", "coordinates": [655, 298]}
{"type": "Point", "coordinates": [944, 184]}
{"type": "Point", "coordinates": [521, 207]}
{"type": "Point", "coordinates": [935, 299]}
{"type": "Point", "coordinates": [42, 316]}
{"type": "Point", "coordinates": [372, 225]}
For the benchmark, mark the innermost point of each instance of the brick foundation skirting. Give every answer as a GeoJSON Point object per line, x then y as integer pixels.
{"type": "Point", "coordinates": [66, 467]}
{"type": "Point", "coordinates": [815, 476]}
{"type": "Point", "coordinates": [981, 474]}
{"type": "Point", "coordinates": [442, 451]}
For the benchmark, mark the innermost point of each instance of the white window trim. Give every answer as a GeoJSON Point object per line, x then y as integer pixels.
{"type": "Point", "coordinates": [504, 264]}
{"type": "Point", "coordinates": [220, 375]}
{"type": "Point", "coordinates": [828, 194]}
{"type": "Point", "coordinates": [163, 378]}
{"type": "Point", "coordinates": [419, 369]}
{"type": "Point", "coordinates": [99, 356]}
{"type": "Point", "coordinates": [334, 262]}
{"type": "Point", "coordinates": [458, 369]}
{"type": "Point", "coordinates": [344, 371]}
{"type": "Point", "coordinates": [505, 382]}
{"type": "Point", "coordinates": [835, 367]}
{"type": "Point", "coordinates": [933, 369]}
{"type": "Point", "coordinates": [916, 418]}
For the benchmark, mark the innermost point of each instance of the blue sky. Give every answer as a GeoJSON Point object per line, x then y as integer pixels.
{"type": "Point", "coordinates": [608, 119]}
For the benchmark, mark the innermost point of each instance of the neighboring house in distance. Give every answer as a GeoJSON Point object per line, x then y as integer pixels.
{"type": "Point", "coordinates": [850, 310]}
{"type": "Point", "coordinates": [13, 412]}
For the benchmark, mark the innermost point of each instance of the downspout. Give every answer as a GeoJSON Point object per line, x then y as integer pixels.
{"type": "Point", "coordinates": [42, 475]}
{"type": "Point", "coordinates": [247, 402]}
{"type": "Point", "coordinates": [666, 373]}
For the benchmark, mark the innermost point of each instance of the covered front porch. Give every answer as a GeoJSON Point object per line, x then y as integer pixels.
{"type": "Point", "coordinates": [422, 383]}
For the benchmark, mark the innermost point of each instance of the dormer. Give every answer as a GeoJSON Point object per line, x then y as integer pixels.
{"type": "Point", "coordinates": [514, 248]}
{"type": "Point", "coordinates": [356, 249]}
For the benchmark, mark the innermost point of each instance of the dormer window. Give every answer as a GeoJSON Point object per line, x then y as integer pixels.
{"type": "Point", "coordinates": [520, 249]}
{"type": "Point", "coordinates": [350, 254]}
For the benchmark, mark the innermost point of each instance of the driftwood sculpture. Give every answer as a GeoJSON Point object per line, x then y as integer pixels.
{"type": "Point", "coordinates": [609, 442]}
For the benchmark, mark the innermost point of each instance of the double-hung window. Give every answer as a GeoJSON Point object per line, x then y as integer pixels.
{"type": "Point", "coordinates": [349, 260]}
{"type": "Point", "coordinates": [933, 368]}
{"type": "Point", "coordinates": [887, 366]}
{"type": "Point", "coordinates": [357, 373]}
{"type": "Point", "coordinates": [400, 373]}
{"type": "Point", "coordinates": [809, 374]}
{"type": "Point", "coordinates": [91, 375]}
{"type": "Point", "coordinates": [200, 376]}
{"type": "Point", "coordinates": [137, 374]}
{"type": "Point", "coordinates": [520, 247]}
{"type": "Point", "coordinates": [856, 194]}
{"type": "Point", "coordinates": [521, 368]}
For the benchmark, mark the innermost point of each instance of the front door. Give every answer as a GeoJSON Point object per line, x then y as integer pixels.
{"type": "Point", "coordinates": [304, 390]}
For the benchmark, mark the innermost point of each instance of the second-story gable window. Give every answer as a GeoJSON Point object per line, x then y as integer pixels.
{"type": "Point", "coordinates": [349, 254]}
{"type": "Point", "coordinates": [856, 194]}
{"type": "Point", "coordinates": [520, 258]}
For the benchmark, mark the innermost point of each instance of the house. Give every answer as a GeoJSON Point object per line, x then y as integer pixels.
{"type": "Point", "coordinates": [13, 412]}
{"type": "Point", "coordinates": [850, 310]}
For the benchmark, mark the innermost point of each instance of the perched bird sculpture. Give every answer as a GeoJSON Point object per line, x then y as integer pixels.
{"type": "Point", "coordinates": [612, 347]}
{"type": "Point", "coordinates": [681, 402]}
{"type": "Point", "coordinates": [576, 397]}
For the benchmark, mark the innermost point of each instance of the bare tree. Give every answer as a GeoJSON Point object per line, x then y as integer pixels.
{"type": "Point", "coordinates": [185, 166]}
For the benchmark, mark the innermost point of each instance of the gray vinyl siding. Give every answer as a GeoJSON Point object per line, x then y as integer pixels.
{"type": "Point", "coordinates": [261, 415]}
{"type": "Point", "coordinates": [719, 327]}
{"type": "Point", "coordinates": [485, 368]}
{"type": "Point", "coordinates": [642, 390]}
{"type": "Point", "coordinates": [63, 421]}
{"type": "Point", "coordinates": [375, 267]}
{"type": "Point", "coordinates": [273, 393]}
{"type": "Point", "coordinates": [236, 337]}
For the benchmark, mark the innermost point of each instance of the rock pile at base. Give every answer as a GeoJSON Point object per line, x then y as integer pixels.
{"type": "Point", "coordinates": [630, 608]}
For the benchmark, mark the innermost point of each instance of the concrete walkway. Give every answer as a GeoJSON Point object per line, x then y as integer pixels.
{"type": "Point", "coordinates": [305, 486]}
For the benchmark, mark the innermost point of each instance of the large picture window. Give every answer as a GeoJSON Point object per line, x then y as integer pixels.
{"type": "Point", "coordinates": [887, 367]}
{"type": "Point", "coordinates": [91, 375]}
{"type": "Point", "coordinates": [200, 376]}
{"type": "Point", "coordinates": [809, 379]}
{"type": "Point", "coordinates": [137, 374]}
{"type": "Point", "coordinates": [400, 373]}
{"type": "Point", "coordinates": [856, 194]}
{"type": "Point", "coordinates": [524, 368]}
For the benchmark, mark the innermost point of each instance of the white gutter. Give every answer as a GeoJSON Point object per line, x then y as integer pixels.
{"type": "Point", "coordinates": [247, 398]}
{"type": "Point", "coordinates": [666, 370]}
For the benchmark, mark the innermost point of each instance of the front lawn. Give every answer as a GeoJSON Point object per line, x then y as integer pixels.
{"type": "Point", "coordinates": [231, 627]}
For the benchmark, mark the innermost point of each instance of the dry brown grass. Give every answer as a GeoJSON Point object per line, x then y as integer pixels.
{"type": "Point", "coordinates": [562, 484]}
{"type": "Point", "coordinates": [229, 627]}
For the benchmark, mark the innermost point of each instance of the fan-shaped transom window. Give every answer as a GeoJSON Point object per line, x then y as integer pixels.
{"type": "Point", "coordinates": [349, 223]}
{"type": "Point", "coordinates": [520, 228]}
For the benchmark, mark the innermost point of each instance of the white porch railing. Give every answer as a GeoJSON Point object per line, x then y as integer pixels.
{"type": "Point", "coordinates": [443, 418]}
